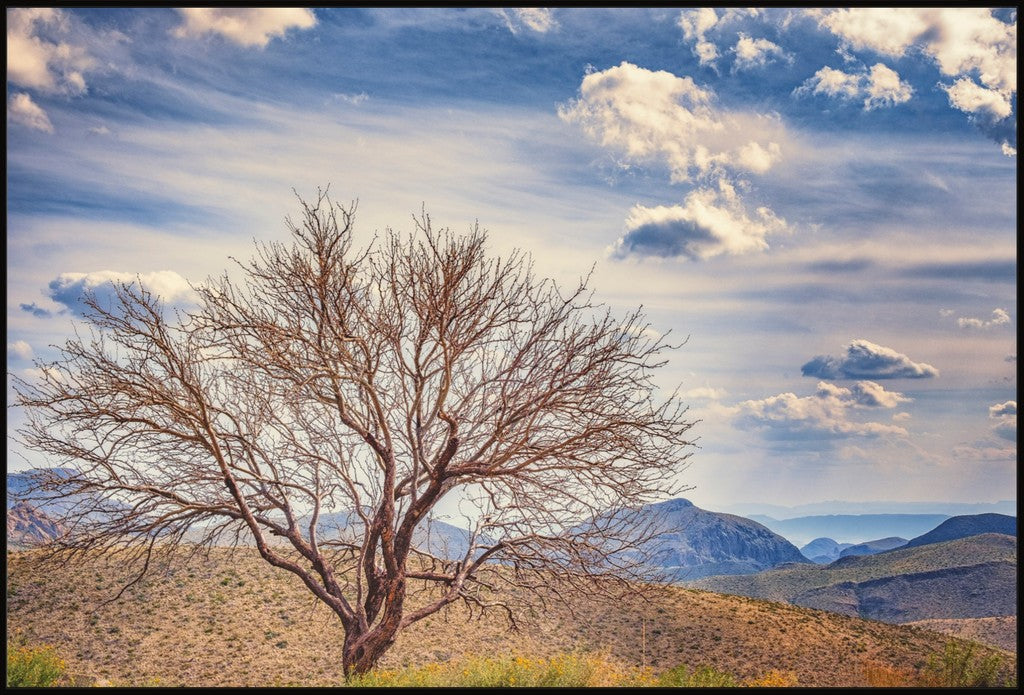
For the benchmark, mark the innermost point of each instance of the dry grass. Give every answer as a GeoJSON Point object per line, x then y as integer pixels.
{"type": "Point", "coordinates": [233, 620]}
{"type": "Point", "coordinates": [998, 631]}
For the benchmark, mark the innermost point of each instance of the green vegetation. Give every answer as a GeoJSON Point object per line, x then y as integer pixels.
{"type": "Point", "coordinates": [33, 667]}
{"type": "Point", "coordinates": [573, 670]}
{"type": "Point", "coordinates": [961, 666]}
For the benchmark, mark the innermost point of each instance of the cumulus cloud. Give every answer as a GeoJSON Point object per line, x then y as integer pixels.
{"type": "Point", "coordinates": [755, 53]}
{"type": "Point", "coordinates": [244, 26]}
{"type": "Point", "coordinates": [652, 116]}
{"type": "Point", "coordinates": [68, 288]}
{"type": "Point", "coordinates": [1005, 416]}
{"type": "Point", "coordinates": [709, 223]}
{"type": "Point", "coordinates": [1009, 150]}
{"type": "Point", "coordinates": [879, 87]}
{"type": "Point", "coordinates": [23, 111]}
{"type": "Point", "coordinates": [538, 19]}
{"type": "Point", "coordinates": [20, 349]}
{"type": "Point", "coordinates": [970, 44]}
{"type": "Point", "coordinates": [999, 318]}
{"type": "Point", "coordinates": [829, 413]}
{"type": "Point", "coordinates": [865, 360]}
{"type": "Point", "coordinates": [695, 24]}
{"type": "Point", "coordinates": [42, 54]}
{"type": "Point", "coordinates": [969, 96]}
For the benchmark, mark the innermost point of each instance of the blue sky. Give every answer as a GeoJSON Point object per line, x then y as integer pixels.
{"type": "Point", "coordinates": [823, 201]}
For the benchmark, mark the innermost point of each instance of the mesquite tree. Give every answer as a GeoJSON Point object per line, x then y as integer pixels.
{"type": "Point", "coordinates": [330, 383]}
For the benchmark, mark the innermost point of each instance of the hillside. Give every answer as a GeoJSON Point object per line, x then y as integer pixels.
{"type": "Point", "coordinates": [27, 526]}
{"type": "Point", "coordinates": [228, 619]}
{"type": "Point", "coordinates": [975, 591]}
{"type": "Point", "coordinates": [999, 632]}
{"type": "Point", "coordinates": [699, 543]}
{"type": "Point", "coordinates": [965, 526]}
{"type": "Point", "coordinates": [786, 583]}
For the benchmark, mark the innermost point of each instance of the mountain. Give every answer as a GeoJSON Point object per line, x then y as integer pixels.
{"type": "Point", "coordinates": [699, 543]}
{"type": "Point", "coordinates": [776, 511]}
{"type": "Point", "coordinates": [851, 528]}
{"type": "Point", "coordinates": [823, 550]}
{"type": "Point", "coordinates": [964, 578]}
{"type": "Point", "coordinates": [433, 536]}
{"type": "Point", "coordinates": [965, 526]}
{"type": "Point", "coordinates": [876, 546]}
{"type": "Point", "coordinates": [28, 526]}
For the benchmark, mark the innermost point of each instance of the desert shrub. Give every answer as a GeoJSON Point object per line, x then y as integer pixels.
{"type": "Point", "coordinates": [878, 675]}
{"type": "Point", "coordinates": [33, 667]}
{"type": "Point", "coordinates": [704, 677]}
{"type": "Point", "coordinates": [773, 679]}
{"type": "Point", "coordinates": [573, 670]}
{"type": "Point", "coordinates": [960, 665]}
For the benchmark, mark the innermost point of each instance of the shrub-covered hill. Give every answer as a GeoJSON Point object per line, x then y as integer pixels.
{"type": "Point", "coordinates": [228, 619]}
{"type": "Point", "coordinates": [972, 577]}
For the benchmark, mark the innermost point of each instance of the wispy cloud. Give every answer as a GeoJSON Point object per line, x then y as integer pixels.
{"type": "Point", "coordinates": [23, 111]}
{"type": "Point", "coordinates": [866, 360]}
{"type": "Point", "coordinates": [20, 349]}
{"type": "Point", "coordinates": [536, 19]}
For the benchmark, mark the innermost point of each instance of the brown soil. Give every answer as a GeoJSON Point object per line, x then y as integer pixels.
{"type": "Point", "coordinates": [232, 620]}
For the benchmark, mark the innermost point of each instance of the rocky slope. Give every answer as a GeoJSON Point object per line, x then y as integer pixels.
{"type": "Point", "coordinates": [698, 543]}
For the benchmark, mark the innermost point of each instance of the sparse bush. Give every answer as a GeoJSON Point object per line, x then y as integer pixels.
{"type": "Point", "coordinates": [961, 666]}
{"type": "Point", "coordinates": [773, 679]}
{"type": "Point", "coordinates": [33, 667]}
{"type": "Point", "coordinates": [879, 675]}
{"type": "Point", "coordinates": [704, 677]}
{"type": "Point", "coordinates": [565, 670]}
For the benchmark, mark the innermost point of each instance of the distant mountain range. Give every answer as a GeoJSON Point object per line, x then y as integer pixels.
{"type": "Point", "coordinates": [777, 511]}
{"type": "Point", "coordinates": [851, 528]}
{"type": "Point", "coordinates": [964, 526]}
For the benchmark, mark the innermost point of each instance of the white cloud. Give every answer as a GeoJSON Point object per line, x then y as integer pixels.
{"type": "Point", "coordinates": [709, 223]}
{"type": "Point", "coordinates": [354, 99]}
{"type": "Point", "coordinates": [657, 117]}
{"type": "Point", "coordinates": [1009, 150]}
{"type": "Point", "coordinates": [880, 86]}
{"type": "Point", "coordinates": [22, 110]}
{"type": "Point", "coordinates": [968, 96]}
{"type": "Point", "coordinates": [244, 26]}
{"type": "Point", "coordinates": [538, 19]}
{"type": "Point", "coordinates": [752, 53]}
{"type": "Point", "coordinates": [962, 41]}
{"type": "Point", "coordinates": [866, 360]}
{"type": "Point", "coordinates": [52, 64]}
{"type": "Point", "coordinates": [999, 318]}
{"type": "Point", "coordinates": [695, 24]}
{"type": "Point", "coordinates": [68, 288]}
{"type": "Point", "coordinates": [1005, 415]}
{"type": "Point", "coordinates": [20, 349]}
{"type": "Point", "coordinates": [705, 393]}
{"type": "Point", "coordinates": [828, 413]}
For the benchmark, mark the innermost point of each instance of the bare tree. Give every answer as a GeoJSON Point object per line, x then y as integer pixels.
{"type": "Point", "coordinates": [372, 384]}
